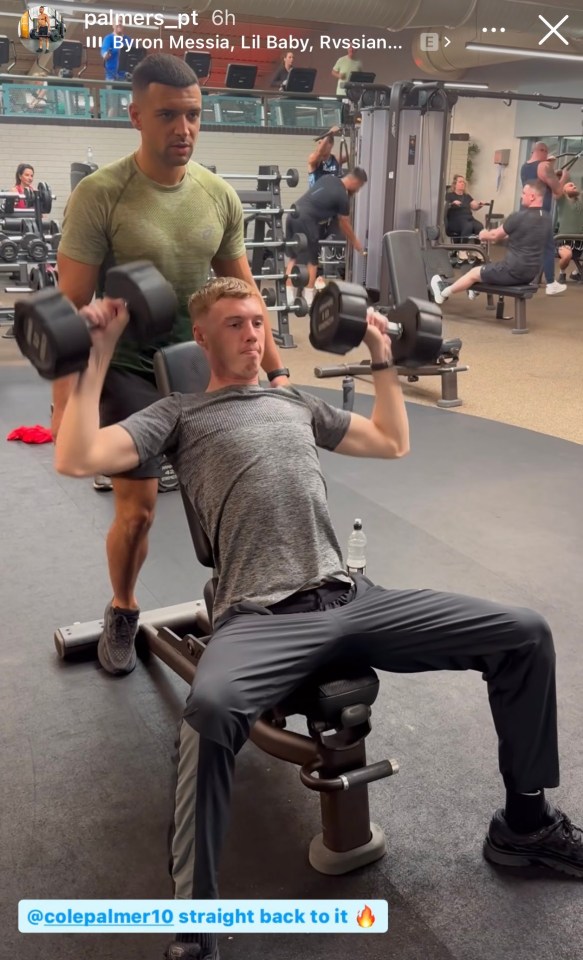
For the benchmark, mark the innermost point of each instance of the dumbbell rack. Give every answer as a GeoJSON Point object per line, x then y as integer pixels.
{"type": "Point", "coordinates": [27, 242]}
{"type": "Point", "coordinates": [267, 196]}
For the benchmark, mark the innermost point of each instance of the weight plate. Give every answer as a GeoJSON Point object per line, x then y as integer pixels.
{"type": "Point", "coordinates": [36, 279]}
{"type": "Point", "coordinates": [45, 197]}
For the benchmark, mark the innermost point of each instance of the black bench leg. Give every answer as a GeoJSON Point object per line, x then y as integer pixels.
{"type": "Point", "coordinates": [520, 318]}
{"type": "Point", "coordinates": [449, 394]}
{"type": "Point", "coordinates": [500, 310]}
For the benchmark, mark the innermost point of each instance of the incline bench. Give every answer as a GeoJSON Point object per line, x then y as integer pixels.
{"type": "Point", "coordinates": [436, 260]}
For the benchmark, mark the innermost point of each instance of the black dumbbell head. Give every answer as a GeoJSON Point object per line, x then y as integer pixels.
{"type": "Point", "coordinates": [338, 317]}
{"type": "Point", "coordinates": [422, 331]}
{"type": "Point", "coordinates": [151, 300]}
{"type": "Point", "coordinates": [51, 334]}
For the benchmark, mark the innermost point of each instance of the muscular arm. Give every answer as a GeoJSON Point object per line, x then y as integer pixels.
{"type": "Point", "coordinates": [493, 236]}
{"type": "Point", "coordinates": [386, 434]}
{"type": "Point", "coordinates": [546, 173]}
{"type": "Point", "coordinates": [242, 271]}
{"type": "Point", "coordinates": [77, 282]}
{"type": "Point", "coordinates": [82, 448]}
{"type": "Point", "coordinates": [317, 154]}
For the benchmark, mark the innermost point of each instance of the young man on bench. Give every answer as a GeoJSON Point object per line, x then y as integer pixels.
{"type": "Point", "coordinates": [527, 231]}
{"type": "Point", "coordinates": [284, 604]}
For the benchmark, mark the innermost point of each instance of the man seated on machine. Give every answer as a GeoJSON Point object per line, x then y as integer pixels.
{"type": "Point", "coordinates": [527, 231]}
{"type": "Point", "coordinates": [247, 459]}
{"type": "Point", "coordinates": [326, 203]}
{"type": "Point", "coordinates": [570, 219]}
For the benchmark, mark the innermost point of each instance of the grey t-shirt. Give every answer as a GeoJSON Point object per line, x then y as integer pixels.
{"type": "Point", "coordinates": [529, 231]}
{"type": "Point", "coordinates": [247, 459]}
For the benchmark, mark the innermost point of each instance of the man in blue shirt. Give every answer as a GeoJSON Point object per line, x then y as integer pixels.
{"type": "Point", "coordinates": [110, 53]}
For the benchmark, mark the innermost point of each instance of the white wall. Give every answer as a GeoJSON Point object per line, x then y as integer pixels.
{"type": "Point", "coordinates": [52, 149]}
{"type": "Point", "coordinates": [491, 125]}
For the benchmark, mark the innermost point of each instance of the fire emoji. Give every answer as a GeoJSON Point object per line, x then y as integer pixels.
{"type": "Point", "coordinates": [365, 918]}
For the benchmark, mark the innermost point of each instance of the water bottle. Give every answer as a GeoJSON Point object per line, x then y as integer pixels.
{"type": "Point", "coordinates": [89, 156]}
{"type": "Point", "coordinates": [355, 558]}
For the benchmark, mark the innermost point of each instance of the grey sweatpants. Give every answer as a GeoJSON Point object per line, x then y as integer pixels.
{"type": "Point", "coordinates": [257, 656]}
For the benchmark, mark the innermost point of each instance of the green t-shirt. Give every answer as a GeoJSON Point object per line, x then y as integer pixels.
{"type": "Point", "coordinates": [118, 215]}
{"type": "Point", "coordinates": [570, 215]}
{"type": "Point", "coordinates": [346, 65]}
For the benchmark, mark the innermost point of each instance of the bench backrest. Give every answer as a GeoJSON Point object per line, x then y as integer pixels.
{"type": "Point", "coordinates": [405, 263]}
{"type": "Point", "coordinates": [183, 368]}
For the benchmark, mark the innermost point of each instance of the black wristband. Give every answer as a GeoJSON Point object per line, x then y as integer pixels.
{"type": "Point", "coordinates": [274, 374]}
{"type": "Point", "coordinates": [382, 365]}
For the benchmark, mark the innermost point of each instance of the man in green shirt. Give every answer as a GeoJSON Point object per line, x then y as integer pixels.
{"type": "Point", "coordinates": [154, 205]}
{"type": "Point", "coordinates": [343, 68]}
{"type": "Point", "coordinates": [570, 221]}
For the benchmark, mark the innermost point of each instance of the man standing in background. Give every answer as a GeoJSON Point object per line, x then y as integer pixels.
{"type": "Point", "coordinates": [541, 167]}
{"type": "Point", "coordinates": [343, 68]}
{"type": "Point", "coordinates": [110, 53]}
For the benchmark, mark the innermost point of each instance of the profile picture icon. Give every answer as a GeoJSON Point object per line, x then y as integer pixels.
{"type": "Point", "coordinates": [41, 29]}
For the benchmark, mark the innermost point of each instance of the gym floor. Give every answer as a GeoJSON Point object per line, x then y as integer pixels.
{"type": "Point", "coordinates": [479, 507]}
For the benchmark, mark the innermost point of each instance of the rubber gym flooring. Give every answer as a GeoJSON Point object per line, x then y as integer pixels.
{"type": "Point", "coordinates": [478, 507]}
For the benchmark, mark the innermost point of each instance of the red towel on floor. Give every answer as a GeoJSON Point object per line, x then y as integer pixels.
{"type": "Point", "coordinates": [35, 434]}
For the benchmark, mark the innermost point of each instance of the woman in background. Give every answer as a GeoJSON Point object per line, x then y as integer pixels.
{"type": "Point", "coordinates": [24, 178]}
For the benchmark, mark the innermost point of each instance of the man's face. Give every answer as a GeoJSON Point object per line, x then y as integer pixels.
{"type": "Point", "coordinates": [460, 185]}
{"type": "Point", "coordinates": [233, 333]}
{"type": "Point", "coordinates": [168, 119]}
{"type": "Point", "coordinates": [288, 61]}
{"type": "Point", "coordinates": [542, 152]}
{"type": "Point", "coordinates": [527, 197]}
{"type": "Point", "coordinates": [571, 189]}
{"type": "Point", "coordinates": [118, 29]}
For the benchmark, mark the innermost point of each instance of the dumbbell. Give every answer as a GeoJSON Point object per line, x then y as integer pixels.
{"type": "Point", "coordinates": [338, 323]}
{"type": "Point", "coordinates": [8, 249]}
{"type": "Point", "coordinates": [299, 306]}
{"type": "Point", "coordinates": [34, 247]}
{"type": "Point", "coordinates": [56, 338]}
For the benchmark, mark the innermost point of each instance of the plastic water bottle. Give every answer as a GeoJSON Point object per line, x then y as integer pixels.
{"type": "Point", "coordinates": [355, 558]}
{"type": "Point", "coordinates": [89, 155]}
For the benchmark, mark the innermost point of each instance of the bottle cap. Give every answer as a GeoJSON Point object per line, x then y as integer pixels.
{"type": "Point", "coordinates": [357, 524]}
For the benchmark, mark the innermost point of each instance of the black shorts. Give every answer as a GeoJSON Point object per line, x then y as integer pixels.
{"type": "Point", "coordinates": [313, 231]}
{"type": "Point", "coordinates": [125, 393]}
{"type": "Point", "coordinates": [575, 246]}
{"type": "Point", "coordinates": [499, 275]}
{"type": "Point", "coordinates": [43, 31]}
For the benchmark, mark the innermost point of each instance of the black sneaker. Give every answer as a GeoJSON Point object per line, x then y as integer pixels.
{"type": "Point", "coordinates": [189, 951]}
{"type": "Point", "coordinates": [116, 650]}
{"type": "Point", "coordinates": [168, 481]}
{"type": "Point", "coordinates": [558, 845]}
